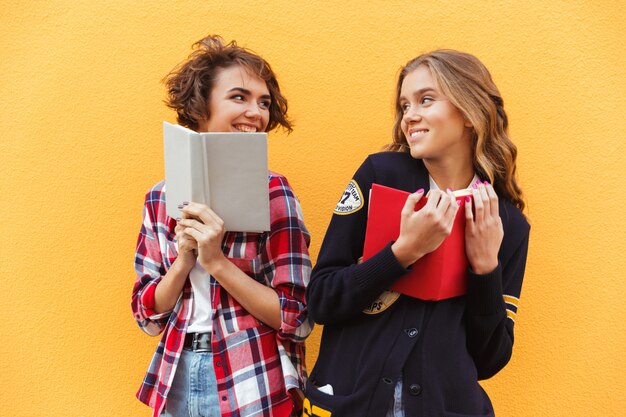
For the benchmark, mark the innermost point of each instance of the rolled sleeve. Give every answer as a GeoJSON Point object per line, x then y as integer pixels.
{"type": "Point", "coordinates": [150, 271]}
{"type": "Point", "coordinates": [286, 260]}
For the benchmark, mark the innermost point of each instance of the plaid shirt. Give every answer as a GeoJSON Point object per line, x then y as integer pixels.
{"type": "Point", "coordinates": [259, 370]}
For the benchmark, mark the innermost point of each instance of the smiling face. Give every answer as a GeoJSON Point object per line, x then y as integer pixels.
{"type": "Point", "coordinates": [239, 102]}
{"type": "Point", "coordinates": [434, 128]}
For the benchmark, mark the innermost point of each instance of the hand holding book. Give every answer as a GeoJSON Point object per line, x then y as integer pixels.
{"type": "Point", "coordinates": [423, 231]}
{"type": "Point", "coordinates": [438, 274]}
{"type": "Point", "coordinates": [484, 232]}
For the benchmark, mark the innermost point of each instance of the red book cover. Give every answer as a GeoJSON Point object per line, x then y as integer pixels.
{"type": "Point", "coordinates": [438, 275]}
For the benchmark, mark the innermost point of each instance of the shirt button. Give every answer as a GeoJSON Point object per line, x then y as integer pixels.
{"type": "Point", "coordinates": [412, 332]}
{"type": "Point", "coordinates": [415, 389]}
{"type": "Point", "coordinates": [387, 380]}
{"type": "Point", "coordinates": [224, 398]}
{"type": "Point", "coordinates": [218, 364]}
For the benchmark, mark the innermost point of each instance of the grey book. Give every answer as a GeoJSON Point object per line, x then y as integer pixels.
{"type": "Point", "coordinates": [226, 171]}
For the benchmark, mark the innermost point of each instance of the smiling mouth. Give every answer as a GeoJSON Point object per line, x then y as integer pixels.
{"type": "Point", "coordinates": [414, 134]}
{"type": "Point", "coordinates": [245, 128]}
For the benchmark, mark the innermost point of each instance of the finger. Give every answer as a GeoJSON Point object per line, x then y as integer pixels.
{"type": "Point", "coordinates": [478, 204]}
{"type": "Point", "coordinates": [434, 196]}
{"type": "Point", "coordinates": [469, 216]}
{"type": "Point", "coordinates": [182, 213]}
{"type": "Point", "coordinates": [493, 199]}
{"type": "Point", "coordinates": [203, 213]}
{"type": "Point", "coordinates": [193, 233]}
{"type": "Point", "coordinates": [411, 201]}
{"type": "Point", "coordinates": [485, 198]}
{"type": "Point", "coordinates": [195, 224]}
{"type": "Point", "coordinates": [453, 207]}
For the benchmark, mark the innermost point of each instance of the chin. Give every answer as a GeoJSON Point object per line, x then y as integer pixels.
{"type": "Point", "coordinates": [416, 154]}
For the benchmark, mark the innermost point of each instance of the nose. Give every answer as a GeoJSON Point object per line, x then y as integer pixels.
{"type": "Point", "coordinates": [412, 114]}
{"type": "Point", "coordinates": [253, 111]}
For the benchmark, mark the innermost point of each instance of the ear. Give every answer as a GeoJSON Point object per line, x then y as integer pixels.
{"type": "Point", "coordinates": [468, 124]}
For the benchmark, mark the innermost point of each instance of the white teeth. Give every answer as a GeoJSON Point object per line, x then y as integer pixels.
{"type": "Point", "coordinates": [418, 132]}
{"type": "Point", "coordinates": [245, 128]}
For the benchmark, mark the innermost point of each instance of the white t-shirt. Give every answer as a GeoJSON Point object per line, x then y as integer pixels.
{"type": "Point", "coordinates": [201, 320]}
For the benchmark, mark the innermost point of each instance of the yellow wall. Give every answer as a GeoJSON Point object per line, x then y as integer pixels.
{"type": "Point", "coordinates": [80, 115]}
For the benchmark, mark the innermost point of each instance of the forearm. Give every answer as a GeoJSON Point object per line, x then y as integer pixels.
{"type": "Point", "coordinates": [259, 300]}
{"type": "Point", "coordinates": [169, 288]}
{"type": "Point", "coordinates": [336, 293]}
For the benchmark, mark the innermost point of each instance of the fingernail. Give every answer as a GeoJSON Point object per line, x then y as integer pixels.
{"type": "Point", "coordinates": [449, 189]}
{"type": "Point", "coordinates": [458, 202]}
{"type": "Point", "coordinates": [486, 182]}
{"type": "Point", "coordinates": [475, 185]}
{"type": "Point", "coordinates": [467, 199]}
{"type": "Point", "coordinates": [180, 206]}
{"type": "Point", "coordinates": [421, 190]}
{"type": "Point", "coordinates": [185, 203]}
{"type": "Point", "coordinates": [178, 219]}
{"type": "Point", "coordinates": [478, 181]}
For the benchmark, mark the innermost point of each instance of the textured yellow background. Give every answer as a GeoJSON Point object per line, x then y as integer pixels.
{"type": "Point", "coordinates": [80, 116]}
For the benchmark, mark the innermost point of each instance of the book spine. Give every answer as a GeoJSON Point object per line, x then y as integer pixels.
{"type": "Point", "coordinates": [197, 166]}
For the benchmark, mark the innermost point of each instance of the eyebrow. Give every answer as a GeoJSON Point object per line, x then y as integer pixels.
{"type": "Point", "coordinates": [248, 92]}
{"type": "Point", "coordinates": [420, 92]}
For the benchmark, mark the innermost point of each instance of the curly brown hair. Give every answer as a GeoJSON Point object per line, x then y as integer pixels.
{"type": "Point", "coordinates": [189, 85]}
{"type": "Point", "coordinates": [468, 85]}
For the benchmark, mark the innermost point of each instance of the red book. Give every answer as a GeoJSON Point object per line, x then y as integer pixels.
{"type": "Point", "coordinates": [437, 275]}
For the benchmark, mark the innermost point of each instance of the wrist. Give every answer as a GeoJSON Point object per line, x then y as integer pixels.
{"type": "Point", "coordinates": [403, 255]}
{"type": "Point", "coordinates": [483, 268]}
{"type": "Point", "coordinates": [185, 261]}
{"type": "Point", "coordinates": [215, 266]}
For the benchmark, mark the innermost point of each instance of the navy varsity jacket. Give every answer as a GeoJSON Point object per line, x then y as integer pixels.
{"type": "Point", "coordinates": [373, 337]}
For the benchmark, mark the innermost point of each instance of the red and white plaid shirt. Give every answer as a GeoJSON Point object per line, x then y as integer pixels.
{"type": "Point", "coordinates": [259, 370]}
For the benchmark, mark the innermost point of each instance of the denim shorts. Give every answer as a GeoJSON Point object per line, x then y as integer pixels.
{"type": "Point", "coordinates": [194, 390]}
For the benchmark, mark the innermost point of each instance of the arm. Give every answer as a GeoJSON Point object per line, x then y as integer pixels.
{"type": "Point", "coordinates": [285, 261]}
{"type": "Point", "coordinates": [341, 288]}
{"type": "Point", "coordinates": [206, 228]}
{"type": "Point", "coordinates": [150, 309]}
{"type": "Point", "coordinates": [493, 292]}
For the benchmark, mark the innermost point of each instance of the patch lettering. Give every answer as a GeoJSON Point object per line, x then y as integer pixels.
{"type": "Point", "coordinates": [382, 303]}
{"type": "Point", "coordinates": [351, 200]}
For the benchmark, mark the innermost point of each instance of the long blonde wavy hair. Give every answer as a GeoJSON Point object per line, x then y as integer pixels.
{"type": "Point", "coordinates": [466, 82]}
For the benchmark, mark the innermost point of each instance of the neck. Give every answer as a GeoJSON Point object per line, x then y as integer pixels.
{"type": "Point", "coordinates": [450, 174]}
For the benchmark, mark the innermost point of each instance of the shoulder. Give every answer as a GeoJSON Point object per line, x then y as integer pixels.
{"type": "Point", "coordinates": [156, 192]}
{"type": "Point", "coordinates": [384, 158]}
{"type": "Point", "coordinates": [155, 202]}
{"type": "Point", "coordinates": [390, 161]}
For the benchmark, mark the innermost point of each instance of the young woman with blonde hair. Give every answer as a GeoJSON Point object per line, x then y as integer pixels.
{"type": "Point", "coordinates": [416, 357]}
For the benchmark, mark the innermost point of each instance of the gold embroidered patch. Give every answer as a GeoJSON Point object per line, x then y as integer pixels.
{"type": "Point", "coordinates": [310, 410]}
{"type": "Point", "coordinates": [383, 302]}
{"type": "Point", "coordinates": [351, 200]}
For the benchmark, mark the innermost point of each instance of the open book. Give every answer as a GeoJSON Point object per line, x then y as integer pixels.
{"type": "Point", "coordinates": [438, 275]}
{"type": "Point", "coordinates": [226, 171]}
